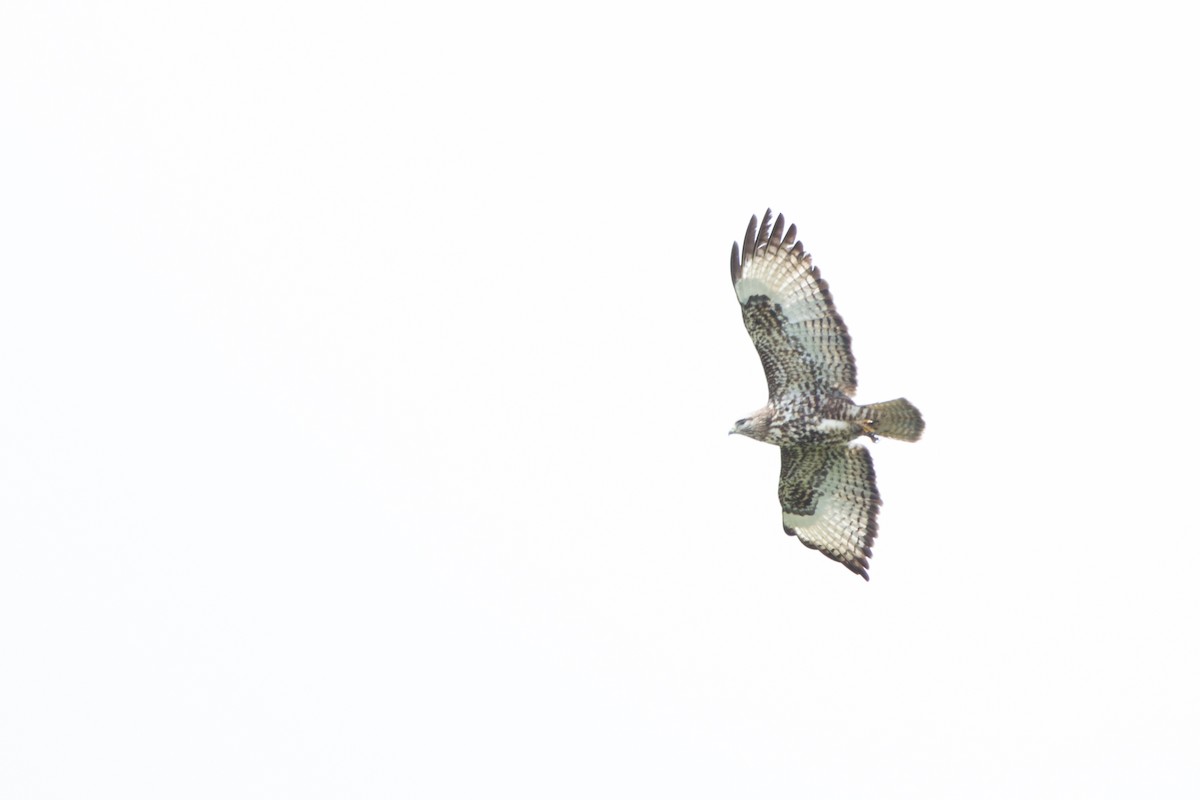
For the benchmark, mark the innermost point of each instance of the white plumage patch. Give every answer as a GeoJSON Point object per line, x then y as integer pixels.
{"type": "Point", "coordinates": [788, 283]}
{"type": "Point", "coordinates": [835, 426]}
{"type": "Point", "coordinates": [832, 529]}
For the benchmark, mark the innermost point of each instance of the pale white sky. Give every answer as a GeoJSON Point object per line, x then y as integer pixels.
{"type": "Point", "coordinates": [366, 373]}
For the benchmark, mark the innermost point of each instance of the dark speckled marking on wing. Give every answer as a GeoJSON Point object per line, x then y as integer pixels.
{"type": "Point", "coordinates": [787, 367]}
{"type": "Point", "coordinates": [801, 472]}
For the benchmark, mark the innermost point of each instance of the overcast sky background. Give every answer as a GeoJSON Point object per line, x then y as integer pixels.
{"type": "Point", "coordinates": [367, 370]}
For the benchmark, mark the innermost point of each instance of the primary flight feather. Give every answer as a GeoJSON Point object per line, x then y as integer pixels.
{"type": "Point", "coordinates": [826, 479]}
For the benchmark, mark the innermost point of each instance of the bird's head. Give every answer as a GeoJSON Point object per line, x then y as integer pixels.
{"type": "Point", "coordinates": [754, 426]}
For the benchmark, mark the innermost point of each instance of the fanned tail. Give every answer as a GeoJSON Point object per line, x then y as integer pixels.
{"type": "Point", "coordinates": [896, 419]}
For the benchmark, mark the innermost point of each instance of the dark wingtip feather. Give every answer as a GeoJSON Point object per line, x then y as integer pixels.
{"type": "Point", "coordinates": [735, 265]}
{"type": "Point", "coordinates": [748, 241]}
{"type": "Point", "coordinates": [763, 232]}
{"type": "Point", "coordinates": [777, 232]}
{"type": "Point", "coordinates": [859, 567]}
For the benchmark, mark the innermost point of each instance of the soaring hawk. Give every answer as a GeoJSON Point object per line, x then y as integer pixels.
{"type": "Point", "coordinates": [826, 482]}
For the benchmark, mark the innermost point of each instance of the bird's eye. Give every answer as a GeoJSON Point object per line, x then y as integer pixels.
{"type": "Point", "coordinates": [742, 422]}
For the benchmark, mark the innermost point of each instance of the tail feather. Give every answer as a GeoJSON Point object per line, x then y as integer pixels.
{"type": "Point", "coordinates": [897, 419]}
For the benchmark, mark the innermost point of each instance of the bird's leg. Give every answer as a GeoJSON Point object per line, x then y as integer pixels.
{"type": "Point", "coordinates": [868, 427]}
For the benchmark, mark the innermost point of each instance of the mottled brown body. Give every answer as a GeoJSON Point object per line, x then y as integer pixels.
{"type": "Point", "coordinates": [797, 421]}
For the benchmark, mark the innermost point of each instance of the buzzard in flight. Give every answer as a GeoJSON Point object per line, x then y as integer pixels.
{"type": "Point", "coordinates": [826, 483]}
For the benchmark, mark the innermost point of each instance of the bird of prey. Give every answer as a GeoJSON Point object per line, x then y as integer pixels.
{"type": "Point", "coordinates": [826, 482]}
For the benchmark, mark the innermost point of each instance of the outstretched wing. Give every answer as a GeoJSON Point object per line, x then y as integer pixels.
{"type": "Point", "coordinates": [830, 501]}
{"type": "Point", "coordinates": [789, 313]}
